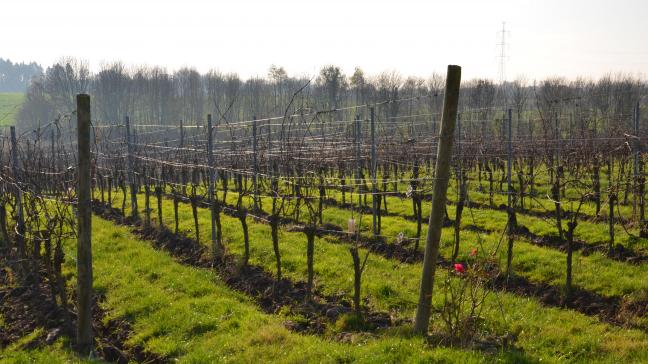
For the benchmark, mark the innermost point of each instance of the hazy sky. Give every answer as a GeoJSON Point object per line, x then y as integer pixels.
{"type": "Point", "coordinates": [552, 37]}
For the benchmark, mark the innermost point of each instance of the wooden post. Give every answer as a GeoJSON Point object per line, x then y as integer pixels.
{"type": "Point", "coordinates": [442, 176]}
{"type": "Point", "coordinates": [637, 145]}
{"type": "Point", "coordinates": [509, 161]}
{"type": "Point", "coordinates": [183, 173]}
{"type": "Point", "coordinates": [255, 165]}
{"type": "Point", "coordinates": [210, 189]}
{"type": "Point", "coordinates": [374, 191]}
{"type": "Point", "coordinates": [84, 245]}
{"type": "Point", "coordinates": [129, 172]}
{"type": "Point", "coordinates": [269, 141]}
{"type": "Point", "coordinates": [511, 214]}
{"type": "Point", "coordinates": [20, 218]}
{"type": "Point", "coordinates": [558, 175]}
{"type": "Point", "coordinates": [358, 164]}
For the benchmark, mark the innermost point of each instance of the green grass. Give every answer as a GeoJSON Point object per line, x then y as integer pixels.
{"type": "Point", "coordinates": [546, 334]}
{"type": "Point", "coordinates": [9, 106]}
{"type": "Point", "coordinates": [59, 352]}
{"type": "Point", "coordinates": [189, 314]}
{"type": "Point", "coordinates": [492, 219]}
{"type": "Point", "coordinates": [594, 272]}
{"type": "Point", "coordinates": [542, 187]}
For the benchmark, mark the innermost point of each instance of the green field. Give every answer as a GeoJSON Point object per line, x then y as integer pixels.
{"type": "Point", "coordinates": [190, 313]}
{"type": "Point", "coordinates": [9, 106]}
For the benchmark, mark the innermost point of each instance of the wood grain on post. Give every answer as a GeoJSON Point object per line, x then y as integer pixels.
{"type": "Point", "coordinates": [84, 246]}
{"type": "Point", "coordinates": [442, 176]}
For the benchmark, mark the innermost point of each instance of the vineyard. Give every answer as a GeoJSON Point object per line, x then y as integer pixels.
{"type": "Point", "coordinates": [302, 236]}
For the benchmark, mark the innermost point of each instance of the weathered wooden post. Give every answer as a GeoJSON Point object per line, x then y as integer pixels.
{"type": "Point", "coordinates": [358, 183]}
{"type": "Point", "coordinates": [183, 172]}
{"type": "Point", "coordinates": [211, 180]}
{"type": "Point", "coordinates": [511, 225]}
{"type": "Point", "coordinates": [636, 147]}
{"type": "Point", "coordinates": [84, 245]}
{"type": "Point", "coordinates": [374, 190]}
{"type": "Point", "coordinates": [442, 176]}
{"type": "Point", "coordinates": [255, 165]}
{"type": "Point", "coordinates": [558, 175]}
{"type": "Point", "coordinates": [129, 172]}
{"type": "Point", "coordinates": [20, 218]}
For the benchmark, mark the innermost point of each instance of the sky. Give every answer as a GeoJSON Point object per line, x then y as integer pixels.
{"type": "Point", "coordinates": [567, 38]}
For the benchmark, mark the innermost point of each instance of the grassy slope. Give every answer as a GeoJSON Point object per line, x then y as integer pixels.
{"type": "Point", "coordinates": [9, 105]}
{"type": "Point", "coordinates": [189, 314]}
{"type": "Point", "coordinates": [544, 333]}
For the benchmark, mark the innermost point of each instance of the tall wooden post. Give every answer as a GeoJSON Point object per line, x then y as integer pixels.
{"type": "Point", "coordinates": [183, 171]}
{"type": "Point", "coordinates": [20, 218]}
{"type": "Point", "coordinates": [558, 173]}
{"type": "Point", "coordinates": [637, 145]}
{"type": "Point", "coordinates": [269, 140]}
{"type": "Point", "coordinates": [511, 214]}
{"type": "Point", "coordinates": [358, 164]}
{"type": "Point", "coordinates": [211, 180]}
{"type": "Point", "coordinates": [442, 176]}
{"type": "Point", "coordinates": [84, 245]}
{"type": "Point", "coordinates": [374, 191]}
{"type": "Point", "coordinates": [129, 166]}
{"type": "Point", "coordinates": [255, 175]}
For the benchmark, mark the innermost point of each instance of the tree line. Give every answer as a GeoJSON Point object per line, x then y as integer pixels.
{"type": "Point", "coordinates": [16, 77]}
{"type": "Point", "coordinates": [152, 94]}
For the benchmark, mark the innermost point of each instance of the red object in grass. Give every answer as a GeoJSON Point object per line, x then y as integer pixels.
{"type": "Point", "coordinates": [473, 252]}
{"type": "Point", "coordinates": [459, 268]}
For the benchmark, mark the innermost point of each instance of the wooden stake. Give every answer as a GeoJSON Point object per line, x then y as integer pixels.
{"type": "Point", "coordinates": [84, 245]}
{"type": "Point", "coordinates": [442, 176]}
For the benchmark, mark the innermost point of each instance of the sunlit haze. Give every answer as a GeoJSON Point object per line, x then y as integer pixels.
{"type": "Point", "coordinates": [545, 38]}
